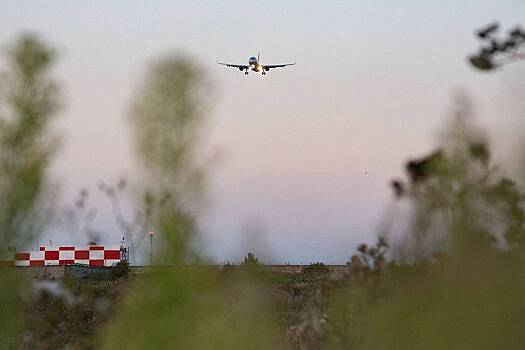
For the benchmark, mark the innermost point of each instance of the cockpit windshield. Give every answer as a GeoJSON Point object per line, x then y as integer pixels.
{"type": "Point", "coordinates": [253, 60]}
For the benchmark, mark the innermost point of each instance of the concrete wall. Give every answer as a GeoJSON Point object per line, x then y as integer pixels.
{"type": "Point", "coordinates": [57, 272]}
{"type": "Point", "coordinates": [42, 272]}
{"type": "Point", "coordinates": [292, 269]}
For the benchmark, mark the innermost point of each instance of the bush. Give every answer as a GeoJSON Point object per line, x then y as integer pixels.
{"type": "Point", "coordinates": [121, 270]}
{"type": "Point", "coordinates": [316, 269]}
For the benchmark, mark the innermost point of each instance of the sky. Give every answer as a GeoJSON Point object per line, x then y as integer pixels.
{"type": "Point", "coordinates": [306, 153]}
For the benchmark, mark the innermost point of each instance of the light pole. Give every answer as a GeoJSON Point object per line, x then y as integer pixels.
{"type": "Point", "coordinates": [151, 247]}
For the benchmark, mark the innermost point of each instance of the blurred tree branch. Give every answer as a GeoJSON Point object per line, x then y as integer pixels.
{"type": "Point", "coordinates": [497, 51]}
{"type": "Point", "coordinates": [134, 229]}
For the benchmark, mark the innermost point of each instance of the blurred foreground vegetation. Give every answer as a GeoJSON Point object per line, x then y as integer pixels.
{"type": "Point", "coordinates": [29, 100]}
{"type": "Point", "coordinates": [446, 272]}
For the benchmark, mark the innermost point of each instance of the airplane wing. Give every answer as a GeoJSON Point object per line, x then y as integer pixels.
{"type": "Point", "coordinates": [271, 66]}
{"type": "Point", "coordinates": [238, 66]}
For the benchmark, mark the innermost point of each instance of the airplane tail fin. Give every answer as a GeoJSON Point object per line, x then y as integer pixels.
{"type": "Point", "coordinates": [259, 57]}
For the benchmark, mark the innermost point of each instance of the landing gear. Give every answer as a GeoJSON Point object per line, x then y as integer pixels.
{"type": "Point", "coordinates": [246, 73]}
{"type": "Point", "coordinates": [263, 73]}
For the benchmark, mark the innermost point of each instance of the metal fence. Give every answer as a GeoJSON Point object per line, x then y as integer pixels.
{"type": "Point", "coordinates": [85, 271]}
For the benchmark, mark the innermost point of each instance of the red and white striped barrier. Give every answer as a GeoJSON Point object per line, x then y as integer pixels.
{"type": "Point", "coordinates": [93, 255]}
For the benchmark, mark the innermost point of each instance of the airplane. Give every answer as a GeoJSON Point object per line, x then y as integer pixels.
{"type": "Point", "coordinates": [254, 65]}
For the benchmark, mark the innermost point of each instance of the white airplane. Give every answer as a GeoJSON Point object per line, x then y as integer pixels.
{"type": "Point", "coordinates": [254, 65]}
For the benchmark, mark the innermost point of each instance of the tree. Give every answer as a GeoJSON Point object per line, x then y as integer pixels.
{"type": "Point", "coordinates": [462, 245]}
{"type": "Point", "coordinates": [457, 200]}
{"type": "Point", "coordinates": [369, 260]}
{"type": "Point", "coordinates": [29, 103]}
{"type": "Point", "coordinates": [316, 269]}
{"type": "Point", "coordinates": [168, 117]}
{"type": "Point", "coordinates": [498, 51]}
{"type": "Point", "coordinates": [250, 260]}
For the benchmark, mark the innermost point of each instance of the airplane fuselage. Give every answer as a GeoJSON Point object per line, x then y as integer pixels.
{"type": "Point", "coordinates": [254, 65]}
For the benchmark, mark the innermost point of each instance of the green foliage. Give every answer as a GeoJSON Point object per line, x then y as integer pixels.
{"type": "Point", "coordinates": [369, 260]}
{"type": "Point", "coordinates": [457, 200]}
{"type": "Point", "coordinates": [470, 302]}
{"type": "Point", "coordinates": [168, 116]}
{"type": "Point", "coordinates": [28, 103]}
{"type": "Point", "coordinates": [454, 281]}
{"type": "Point", "coordinates": [180, 306]}
{"type": "Point", "coordinates": [194, 308]}
{"type": "Point", "coordinates": [10, 301]}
